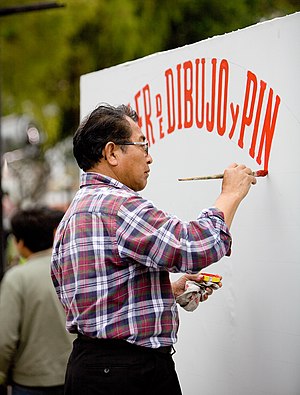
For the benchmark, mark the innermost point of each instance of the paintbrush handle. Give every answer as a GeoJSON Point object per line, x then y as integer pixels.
{"type": "Point", "coordinates": [258, 173]}
{"type": "Point", "coordinates": [213, 177]}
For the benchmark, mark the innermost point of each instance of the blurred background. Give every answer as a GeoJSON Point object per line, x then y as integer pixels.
{"type": "Point", "coordinates": [44, 52]}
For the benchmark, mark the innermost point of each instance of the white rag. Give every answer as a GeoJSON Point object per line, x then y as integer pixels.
{"type": "Point", "coordinates": [194, 294]}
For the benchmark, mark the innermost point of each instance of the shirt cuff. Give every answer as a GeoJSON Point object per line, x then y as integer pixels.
{"type": "Point", "coordinates": [224, 230]}
{"type": "Point", "coordinates": [213, 211]}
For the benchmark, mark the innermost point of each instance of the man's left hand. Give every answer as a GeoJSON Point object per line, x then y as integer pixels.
{"type": "Point", "coordinates": [179, 286]}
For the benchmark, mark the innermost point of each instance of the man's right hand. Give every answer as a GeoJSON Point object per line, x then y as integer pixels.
{"type": "Point", "coordinates": [236, 184]}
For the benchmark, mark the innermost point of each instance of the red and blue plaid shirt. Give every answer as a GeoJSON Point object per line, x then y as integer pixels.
{"type": "Point", "coordinates": [112, 255]}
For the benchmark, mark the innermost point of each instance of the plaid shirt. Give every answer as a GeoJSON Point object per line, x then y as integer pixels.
{"type": "Point", "coordinates": [112, 255]}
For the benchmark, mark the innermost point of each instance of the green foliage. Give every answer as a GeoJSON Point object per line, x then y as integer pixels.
{"type": "Point", "coordinates": [43, 53]}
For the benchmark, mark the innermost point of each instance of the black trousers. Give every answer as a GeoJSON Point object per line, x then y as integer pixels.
{"type": "Point", "coordinates": [116, 367]}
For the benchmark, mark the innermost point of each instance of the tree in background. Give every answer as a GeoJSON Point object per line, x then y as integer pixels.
{"type": "Point", "coordinates": [44, 53]}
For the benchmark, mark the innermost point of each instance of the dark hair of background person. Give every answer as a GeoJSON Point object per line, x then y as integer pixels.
{"type": "Point", "coordinates": [106, 123]}
{"type": "Point", "coordinates": [36, 226]}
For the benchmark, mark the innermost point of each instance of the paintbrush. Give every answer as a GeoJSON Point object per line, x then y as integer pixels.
{"type": "Point", "coordinates": [258, 173]}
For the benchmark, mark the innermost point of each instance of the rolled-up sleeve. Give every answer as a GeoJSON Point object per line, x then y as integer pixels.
{"type": "Point", "coordinates": [155, 239]}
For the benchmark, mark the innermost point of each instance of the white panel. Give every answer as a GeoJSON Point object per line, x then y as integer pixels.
{"type": "Point", "coordinates": [246, 338]}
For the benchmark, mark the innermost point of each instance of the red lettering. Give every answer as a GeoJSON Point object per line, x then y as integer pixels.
{"type": "Point", "coordinates": [136, 100]}
{"type": "Point", "coordinates": [179, 95]}
{"type": "Point", "coordinates": [268, 129]}
{"type": "Point", "coordinates": [200, 122]}
{"type": "Point", "coordinates": [222, 95]}
{"type": "Point", "coordinates": [188, 94]}
{"type": "Point", "coordinates": [147, 110]}
{"type": "Point", "coordinates": [170, 100]}
{"type": "Point", "coordinates": [158, 103]}
{"type": "Point", "coordinates": [210, 122]}
{"type": "Point", "coordinates": [186, 106]}
{"type": "Point", "coordinates": [257, 118]}
{"type": "Point", "coordinates": [234, 116]}
{"type": "Point", "coordinates": [247, 119]}
{"type": "Point", "coordinates": [160, 124]}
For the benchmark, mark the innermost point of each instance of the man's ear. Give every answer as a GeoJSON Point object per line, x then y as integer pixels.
{"type": "Point", "coordinates": [22, 249]}
{"type": "Point", "coordinates": [110, 153]}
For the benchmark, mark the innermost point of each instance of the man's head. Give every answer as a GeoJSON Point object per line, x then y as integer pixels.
{"type": "Point", "coordinates": [109, 141]}
{"type": "Point", "coordinates": [34, 228]}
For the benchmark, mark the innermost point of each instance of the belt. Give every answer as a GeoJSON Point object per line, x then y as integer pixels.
{"type": "Point", "coordinates": [121, 343]}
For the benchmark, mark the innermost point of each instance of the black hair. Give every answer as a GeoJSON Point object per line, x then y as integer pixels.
{"type": "Point", "coordinates": [36, 226]}
{"type": "Point", "coordinates": [106, 123]}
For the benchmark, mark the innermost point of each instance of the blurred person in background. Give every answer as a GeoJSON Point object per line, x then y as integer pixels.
{"type": "Point", "coordinates": [34, 344]}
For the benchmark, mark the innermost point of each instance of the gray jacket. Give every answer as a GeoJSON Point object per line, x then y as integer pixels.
{"type": "Point", "coordinates": [34, 343]}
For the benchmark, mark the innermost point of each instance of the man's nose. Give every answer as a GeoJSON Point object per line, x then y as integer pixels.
{"type": "Point", "coordinates": [149, 159]}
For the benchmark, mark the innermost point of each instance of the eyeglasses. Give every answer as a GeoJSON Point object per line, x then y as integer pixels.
{"type": "Point", "coordinates": [144, 144]}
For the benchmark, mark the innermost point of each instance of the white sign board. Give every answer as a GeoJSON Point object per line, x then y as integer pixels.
{"type": "Point", "coordinates": [232, 98]}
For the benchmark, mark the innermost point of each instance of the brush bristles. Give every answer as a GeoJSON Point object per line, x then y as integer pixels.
{"type": "Point", "coordinates": [260, 173]}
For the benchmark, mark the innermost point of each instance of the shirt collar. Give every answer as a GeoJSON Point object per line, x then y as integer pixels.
{"type": "Point", "coordinates": [91, 178]}
{"type": "Point", "coordinates": [40, 254]}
